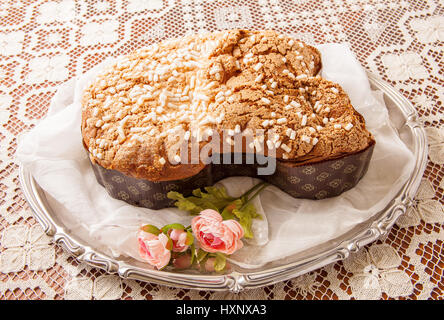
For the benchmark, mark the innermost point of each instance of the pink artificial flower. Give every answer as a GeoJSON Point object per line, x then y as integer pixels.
{"type": "Point", "coordinates": [216, 235]}
{"type": "Point", "coordinates": [209, 264]}
{"type": "Point", "coordinates": [182, 262]}
{"type": "Point", "coordinates": [179, 238]}
{"type": "Point", "coordinates": [153, 248]}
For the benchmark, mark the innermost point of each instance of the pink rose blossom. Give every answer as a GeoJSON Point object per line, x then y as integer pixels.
{"type": "Point", "coordinates": [216, 235]}
{"type": "Point", "coordinates": [209, 264]}
{"type": "Point", "coordinates": [179, 238]}
{"type": "Point", "coordinates": [153, 249]}
{"type": "Point", "coordinates": [182, 262]}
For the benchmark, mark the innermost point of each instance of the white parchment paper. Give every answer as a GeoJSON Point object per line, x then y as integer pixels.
{"type": "Point", "coordinates": [53, 153]}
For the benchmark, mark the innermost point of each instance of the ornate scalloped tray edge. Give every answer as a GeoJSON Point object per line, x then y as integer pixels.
{"type": "Point", "coordinates": [237, 281]}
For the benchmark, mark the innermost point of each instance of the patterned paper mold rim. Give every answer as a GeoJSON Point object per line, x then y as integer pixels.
{"type": "Point", "coordinates": [413, 135]}
{"type": "Point", "coordinates": [318, 180]}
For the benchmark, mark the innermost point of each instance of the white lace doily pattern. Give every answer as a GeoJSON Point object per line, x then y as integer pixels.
{"type": "Point", "coordinates": [45, 43]}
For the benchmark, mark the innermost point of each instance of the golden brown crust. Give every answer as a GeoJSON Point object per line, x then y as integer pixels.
{"type": "Point", "coordinates": [235, 80]}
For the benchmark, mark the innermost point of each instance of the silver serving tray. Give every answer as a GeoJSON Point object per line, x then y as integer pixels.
{"type": "Point", "coordinates": [410, 131]}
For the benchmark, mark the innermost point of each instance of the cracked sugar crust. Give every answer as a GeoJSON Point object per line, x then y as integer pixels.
{"type": "Point", "coordinates": [313, 121]}
{"type": "Point", "coordinates": [234, 80]}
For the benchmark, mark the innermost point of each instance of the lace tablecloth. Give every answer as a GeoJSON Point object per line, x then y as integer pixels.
{"type": "Point", "coordinates": [45, 43]}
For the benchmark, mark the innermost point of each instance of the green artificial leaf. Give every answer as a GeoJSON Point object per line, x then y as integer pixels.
{"type": "Point", "coordinates": [245, 215]}
{"type": "Point", "coordinates": [177, 226]}
{"type": "Point", "coordinates": [220, 262]}
{"type": "Point", "coordinates": [215, 198]}
{"type": "Point", "coordinates": [189, 204]}
{"type": "Point", "coordinates": [227, 213]}
{"type": "Point", "coordinates": [194, 205]}
{"type": "Point", "coordinates": [151, 229]}
{"type": "Point", "coordinates": [169, 245]}
{"type": "Point", "coordinates": [201, 255]}
{"type": "Point", "coordinates": [202, 263]}
{"type": "Point", "coordinates": [190, 238]}
{"type": "Point", "coordinates": [193, 253]}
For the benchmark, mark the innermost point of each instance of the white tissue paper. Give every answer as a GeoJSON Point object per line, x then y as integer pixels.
{"type": "Point", "coordinates": [54, 154]}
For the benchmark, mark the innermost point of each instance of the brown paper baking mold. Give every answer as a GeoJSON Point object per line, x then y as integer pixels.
{"type": "Point", "coordinates": [312, 181]}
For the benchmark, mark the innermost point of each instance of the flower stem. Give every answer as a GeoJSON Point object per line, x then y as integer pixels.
{"type": "Point", "coordinates": [262, 185]}
{"type": "Point", "coordinates": [246, 194]}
